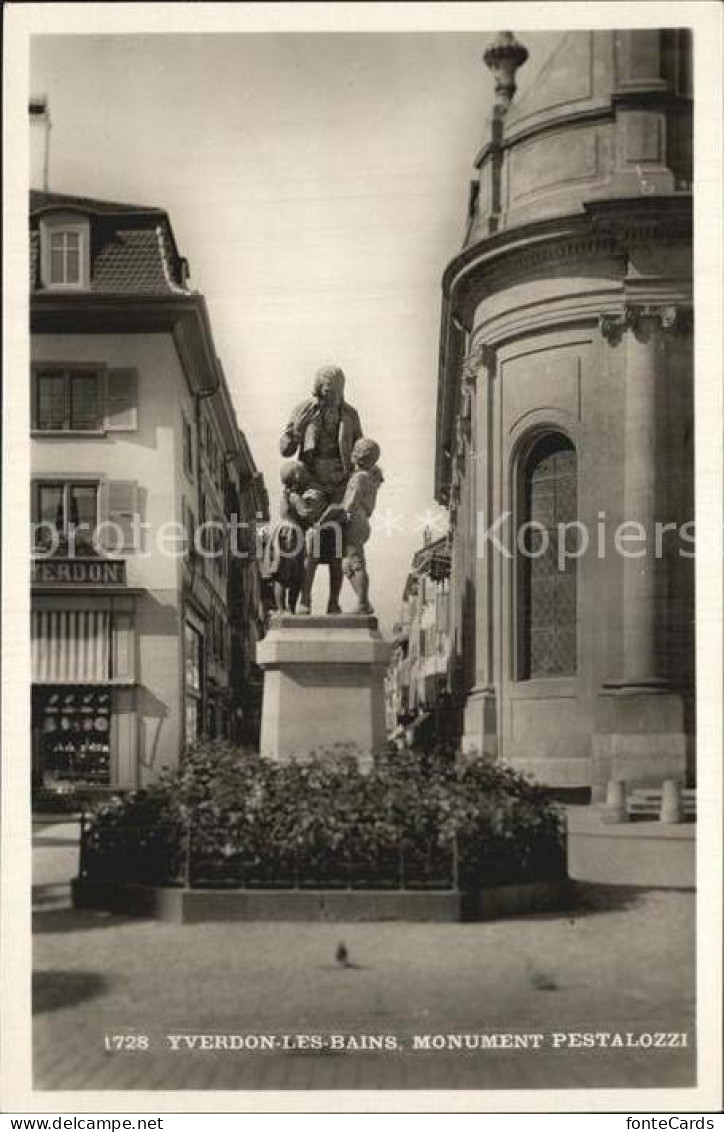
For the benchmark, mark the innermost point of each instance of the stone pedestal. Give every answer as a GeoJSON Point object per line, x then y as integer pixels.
{"type": "Point", "coordinates": [323, 685]}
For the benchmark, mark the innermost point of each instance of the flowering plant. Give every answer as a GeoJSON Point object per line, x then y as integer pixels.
{"type": "Point", "coordinates": [226, 816]}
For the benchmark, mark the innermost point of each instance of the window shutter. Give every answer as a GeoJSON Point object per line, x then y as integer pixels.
{"type": "Point", "coordinates": [122, 400]}
{"type": "Point", "coordinates": [121, 507]}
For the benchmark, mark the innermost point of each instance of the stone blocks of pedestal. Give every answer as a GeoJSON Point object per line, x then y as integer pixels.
{"type": "Point", "coordinates": [480, 725]}
{"type": "Point", "coordinates": [639, 739]}
{"type": "Point", "coordinates": [323, 685]}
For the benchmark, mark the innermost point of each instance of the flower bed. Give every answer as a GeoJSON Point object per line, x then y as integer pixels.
{"type": "Point", "coordinates": [227, 819]}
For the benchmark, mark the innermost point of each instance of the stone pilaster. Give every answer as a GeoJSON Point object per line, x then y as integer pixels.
{"type": "Point", "coordinates": [480, 735]}
{"type": "Point", "coordinates": [639, 734]}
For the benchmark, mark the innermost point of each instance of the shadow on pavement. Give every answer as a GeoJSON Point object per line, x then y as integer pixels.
{"type": "Point", "coordinates": [48, 920]}
{"type": "Point", "coordinates": [52, 990]}
{"type": "Point", "coordinates": [588, 899]}
{"type": "Point", "coordinates": [579, 900]}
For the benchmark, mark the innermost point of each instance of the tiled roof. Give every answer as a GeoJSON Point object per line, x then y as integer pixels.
{"type": "Point", "coordinates": [41, 200]}
{"type": "Point", "coordinates": [129, 261]}
{"type": "Point", "coordinates": [132, 246]}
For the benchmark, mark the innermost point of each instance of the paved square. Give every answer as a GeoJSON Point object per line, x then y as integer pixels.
{"type": "Point", "coordinates": [622, 962]}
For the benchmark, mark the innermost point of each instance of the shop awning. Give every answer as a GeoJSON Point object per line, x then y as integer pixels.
{"type": "Point", "coordinates": [70, 646]}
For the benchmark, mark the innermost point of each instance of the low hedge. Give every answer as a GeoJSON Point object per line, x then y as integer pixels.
{"type": "Point", "coordinates": [227, 816]}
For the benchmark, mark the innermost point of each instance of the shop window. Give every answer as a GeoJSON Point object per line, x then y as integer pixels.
{"type": "Point", "coordinates": [547, 585]}
{"type": "Point", "coordinates": [72, 724]}
{"type": "Point", "coordinates": [68, 400]}
{"type": "Point", "coordinates": [60, 508]}
{"type": "Point", "coordinates": [193, 647]}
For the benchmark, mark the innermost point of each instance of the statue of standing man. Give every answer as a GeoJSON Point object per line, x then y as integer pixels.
{"type": "Point", "coordinates": [322, 433]}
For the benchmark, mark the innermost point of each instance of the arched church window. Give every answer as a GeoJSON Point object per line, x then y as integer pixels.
{"type": "Point", "coordinates": [547, 579]}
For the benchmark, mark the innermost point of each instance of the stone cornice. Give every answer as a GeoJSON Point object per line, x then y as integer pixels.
{"type": "Point", "coordinates": [603, 237]}
{"type": "Point", "coordinates": [634, 220]}
{"type": "Point", "coordinates": [513, 265]}
{"type": "Point", "coordinates": [607, 228]}
{"type": "Point", "coordinates": [68, 312]}
{"type": "Point", "coordinates": [185, 317]}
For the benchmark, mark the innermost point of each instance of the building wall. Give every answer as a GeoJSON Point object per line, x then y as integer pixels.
{"type": "Point", "coordinates": [418, 679]}
{"type": "Point", "coordinates": [149, 457]}
{"type": "Point", "coordinates": [606, 117]}
{"type": "Point", "coordinates": [549, 374]}
{"type": "Point", "coordinates": [569, 311]}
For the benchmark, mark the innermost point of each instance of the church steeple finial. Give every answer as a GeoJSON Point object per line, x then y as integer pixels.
{"type": "Point", "coordinates": [503, 58]}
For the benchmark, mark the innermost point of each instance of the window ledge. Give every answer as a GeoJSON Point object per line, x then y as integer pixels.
{"type": "Point", "coordinates": [62, 433]}
{"type": "Point", "coordinates": [52, 288]}
{"type": "Point", "coordinates": [545, 687]}
{"type": "Point", "coordinates": [108, 682]}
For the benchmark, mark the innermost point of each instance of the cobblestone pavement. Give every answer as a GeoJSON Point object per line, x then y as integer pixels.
{"type": "Point", "coordinates": [621, 962]}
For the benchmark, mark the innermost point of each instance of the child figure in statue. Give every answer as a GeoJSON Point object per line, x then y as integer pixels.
{"type": "Point", "coordinates": [301, 504]}
{"type": "Point", "coordinates": [359, 503]}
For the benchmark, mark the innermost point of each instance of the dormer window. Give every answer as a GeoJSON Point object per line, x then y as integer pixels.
{"type": "Point", "coordinates": [65, 257]}
{"type": "Point", "coordinates": [64, 252]}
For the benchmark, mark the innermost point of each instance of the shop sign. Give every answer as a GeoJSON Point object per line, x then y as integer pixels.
{"type": "Point", "coordinates": [80, 571]}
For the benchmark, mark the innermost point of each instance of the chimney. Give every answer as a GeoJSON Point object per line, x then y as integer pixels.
{"type": "Point", "coordinates": [39, 141]}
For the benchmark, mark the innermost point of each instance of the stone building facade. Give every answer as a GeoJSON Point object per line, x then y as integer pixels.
{"type": "Point", "coordinates": [566, 401]}
{"type": "Point", "coordinates": [418, 683]}
{"type": "Point", "coordinates": [140, 643]}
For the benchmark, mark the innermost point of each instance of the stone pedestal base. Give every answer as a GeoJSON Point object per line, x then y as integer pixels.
{"type": "Point", "coordinates": [323, 685]}
{"type": "Point", "coordinates": [639, 738]}
{"type": "Point", "coordinates": [480, 725]}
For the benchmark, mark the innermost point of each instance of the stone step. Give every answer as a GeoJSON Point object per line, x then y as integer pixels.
{"type": "Point", "coordinates": [640, 791]}
{"type": "Point", "coordinates": [645, 802]}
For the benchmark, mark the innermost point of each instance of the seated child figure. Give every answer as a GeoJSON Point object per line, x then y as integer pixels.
{"type": "Point", "coordinates": [300, 505]}
{"type": "Point", "coordinates": [359, 503]}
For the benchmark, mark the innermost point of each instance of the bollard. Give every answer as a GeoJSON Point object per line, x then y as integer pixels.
{"type": "Point", "coordinates": [615, 812]}
{"type": "Point", "coordinates": [671, 809]}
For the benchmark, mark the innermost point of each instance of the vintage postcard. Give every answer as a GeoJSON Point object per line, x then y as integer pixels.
{"type": "Point", "coordinates": [362, 558]}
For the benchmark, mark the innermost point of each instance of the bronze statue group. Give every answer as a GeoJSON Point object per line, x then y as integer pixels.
{"type": "Point", "coordinates": [330, 481]}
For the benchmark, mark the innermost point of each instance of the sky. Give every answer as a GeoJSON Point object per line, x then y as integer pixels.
{"type": "Point", "coordinates": [317, 184]}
